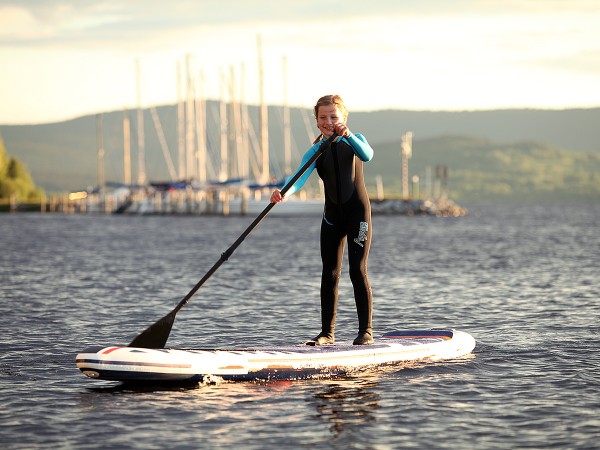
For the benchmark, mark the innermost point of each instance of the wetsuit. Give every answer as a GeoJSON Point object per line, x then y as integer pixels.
{"type": "Point", "coordinates": [347, 215]}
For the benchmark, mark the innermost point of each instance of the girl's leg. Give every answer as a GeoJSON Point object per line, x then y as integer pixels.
{"type": "Point", "coordinates": [332, 250]}
{"type": "Point", "coordinates": [359, 244]}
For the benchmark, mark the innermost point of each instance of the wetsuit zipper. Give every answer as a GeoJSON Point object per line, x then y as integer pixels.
{"type": "Point", "coordinates": [338, 182]}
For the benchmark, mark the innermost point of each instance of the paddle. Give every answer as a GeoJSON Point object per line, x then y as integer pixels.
{"type": "Point", "coordinates": [156, 335]}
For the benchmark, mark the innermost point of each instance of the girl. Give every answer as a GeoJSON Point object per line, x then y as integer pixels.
{"type": "Point", "coordinates": [347, 216]}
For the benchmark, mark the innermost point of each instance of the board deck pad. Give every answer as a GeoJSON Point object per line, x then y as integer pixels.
{"type": "Point", "coordinates": [275, 362]}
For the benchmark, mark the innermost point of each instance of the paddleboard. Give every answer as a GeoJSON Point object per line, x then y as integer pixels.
{"type": "Point", "coordinates": [130, 364]}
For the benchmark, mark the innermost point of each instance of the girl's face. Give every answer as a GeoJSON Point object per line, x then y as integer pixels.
{"type": "Point", "coordinates": [327, 117]}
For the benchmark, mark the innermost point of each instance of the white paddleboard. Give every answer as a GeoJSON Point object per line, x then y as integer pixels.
{"type": "Point", "coordinates": [287, 362]}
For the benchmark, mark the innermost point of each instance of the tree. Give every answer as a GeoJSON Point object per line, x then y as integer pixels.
{"type": "Point", "coordinates": [15, 179]}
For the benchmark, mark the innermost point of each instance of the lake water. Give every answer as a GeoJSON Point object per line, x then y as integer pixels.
{"type": "Point", "coordinates": [524, 281]}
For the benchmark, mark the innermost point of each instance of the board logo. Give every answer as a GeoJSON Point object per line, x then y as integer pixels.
{"type": "Point", "coordinates": [362, 234]}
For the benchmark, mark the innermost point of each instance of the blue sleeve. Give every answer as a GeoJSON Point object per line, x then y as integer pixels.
{"type": "Point", "coordinates": [298, 184]}
{"type": "Point", "coordinates": [361, 147]}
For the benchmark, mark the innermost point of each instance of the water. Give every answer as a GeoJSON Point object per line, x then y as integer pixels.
{"type": "Point", "coordinates": [525, 282]}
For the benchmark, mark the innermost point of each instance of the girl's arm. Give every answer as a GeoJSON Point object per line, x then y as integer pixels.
{"type": "Point", "coordinates": [361, 147]}
{"type": "Point", "coordinates": [298, 184]}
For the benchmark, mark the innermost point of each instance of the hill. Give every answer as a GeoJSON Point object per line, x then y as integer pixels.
{"type": "Point", "coordinates": [481, 170]}
{"type": "Point", "coordinates": [491, 155]}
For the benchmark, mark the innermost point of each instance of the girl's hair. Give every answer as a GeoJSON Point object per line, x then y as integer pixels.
{"type": "Point", "coordinates": [327, 100]}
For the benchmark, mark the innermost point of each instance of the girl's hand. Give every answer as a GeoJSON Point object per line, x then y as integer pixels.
{"type": "Point", "coordinates": [276, 196]}
{"type": "Point", "coordinates": [341, 129]}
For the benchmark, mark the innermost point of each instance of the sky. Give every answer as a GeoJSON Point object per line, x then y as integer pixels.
{"type": "Point", "coordinates": [62, 59]}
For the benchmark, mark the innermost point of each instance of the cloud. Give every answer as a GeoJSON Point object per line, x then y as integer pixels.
{"type": "Point", "coordinates": [78, 23]}
{"type": "Point", "coordinates": [425, 54]}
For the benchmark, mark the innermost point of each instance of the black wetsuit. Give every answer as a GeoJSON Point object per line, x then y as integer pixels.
{"type": "Point", "coordinates": [347, 216]}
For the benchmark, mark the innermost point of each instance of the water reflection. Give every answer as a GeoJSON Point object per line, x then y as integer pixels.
{"type": "Point", "coordinates": [345, 404]}
{"type": "Point", "coordinates": [129, 388]}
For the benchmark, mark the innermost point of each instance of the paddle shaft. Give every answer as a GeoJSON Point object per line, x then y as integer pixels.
{"type": "Point", "coordinates": [227, 253]}
{"type": "Point", "coordinates": [157, 334]}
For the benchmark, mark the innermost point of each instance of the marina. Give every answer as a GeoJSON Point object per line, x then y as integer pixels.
{"type": "Point", "coordinates": [218, 160]}
{"type": "Point", "coordinates": [218, 202]}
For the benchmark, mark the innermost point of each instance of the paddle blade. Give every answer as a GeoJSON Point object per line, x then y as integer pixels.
{"type": "Point", "coordinates": [156, 335]}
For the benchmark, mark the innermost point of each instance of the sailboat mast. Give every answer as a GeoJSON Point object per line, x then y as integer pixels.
{"type": "Point", "coordinates": [236, 127]}
{"type": "Point", "coordinates": [100, 155]}
{"type": "Point", "coordinates": [264, 125]}
{"type": "Point", "coordinates": [245, 143]}
{"type": "Point", "coordinates": [140, 124]}
{"type": "Point", "coordinates": [180, 125]}
{"type": "Point", "coordinates": [189, 120]}
{"type": "Point", "coordinates": [126, 149]}
{"type": "Point", "coordinates": [406, 154]}
{"type": "Point", "coordinates": [223, 122]}
{"type": "Point", "coordinates": [163, 143]}
{"type": "Point", "coordinates": [201, 129]}
{"type": "Point", "coordinates": [287, 136]}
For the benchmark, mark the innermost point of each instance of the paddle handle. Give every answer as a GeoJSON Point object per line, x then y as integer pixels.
{"type": "Point", "coordinates": [227, 253]}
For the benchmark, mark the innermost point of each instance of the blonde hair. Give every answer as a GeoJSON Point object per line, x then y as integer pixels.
{"type": "Point", "coordinates": [327, 100]}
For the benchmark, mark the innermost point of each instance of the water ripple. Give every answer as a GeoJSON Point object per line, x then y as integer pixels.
{"type": "Point", "coordinates": [523, 281]}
